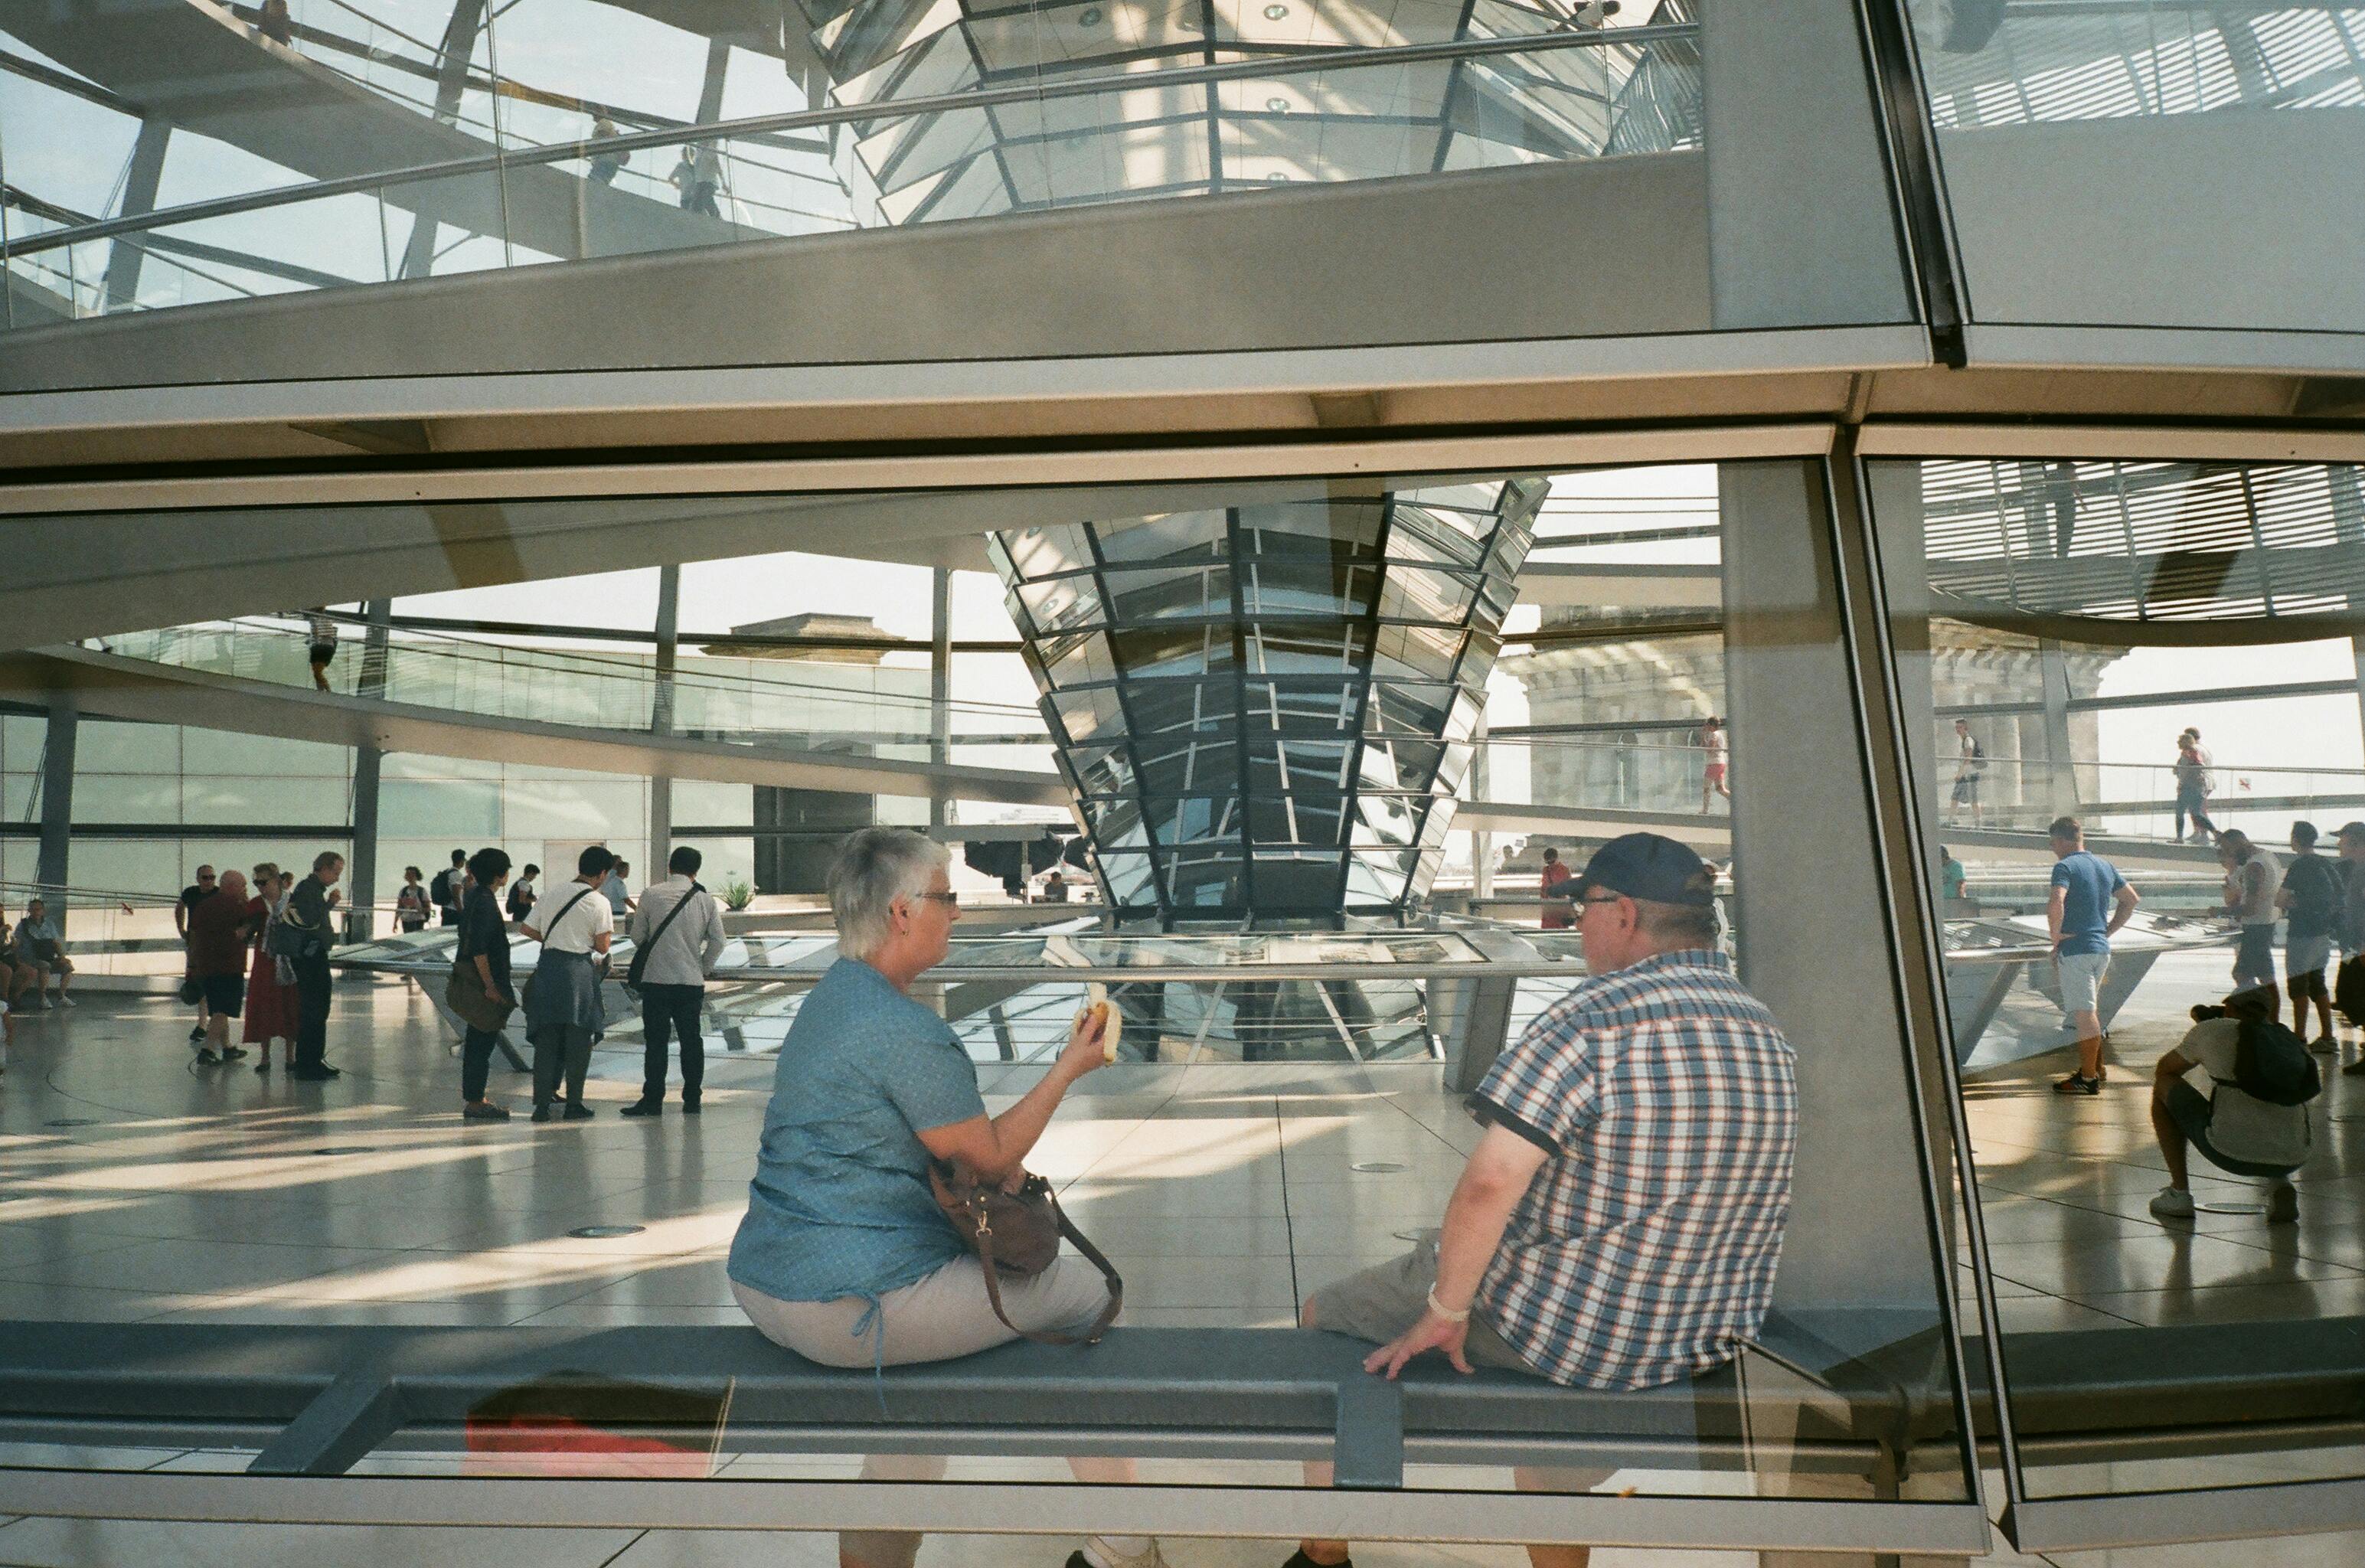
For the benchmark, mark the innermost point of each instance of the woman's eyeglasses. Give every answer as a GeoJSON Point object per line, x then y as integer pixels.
{"type": "Point", "coordinates": [950, 900]}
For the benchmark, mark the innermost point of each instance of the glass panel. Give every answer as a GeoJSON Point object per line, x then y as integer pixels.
{"type": "Point", "coordinates": [2069, 137]}
{"type": "Point", "coordinates": [1176, 537]}
{"type": "Point", "coordinates": [2141, 1205]}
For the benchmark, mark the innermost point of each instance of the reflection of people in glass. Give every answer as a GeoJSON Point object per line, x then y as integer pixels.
{"type": "Point", "coordinates": [2238, 1134]}
{"type": "Point", "coordinates": [605, 164]}
{"type": "Point", "coordinates": [844, 1256]}
{"type": "Point", "coordinates": [1558, 915]}
{"type": "Point", "coordinates": [1713, 747]}
{"type": "Point", "coordinates": [1619, 1224]}
{"type": "Point", "coordinates": [2088, 903]}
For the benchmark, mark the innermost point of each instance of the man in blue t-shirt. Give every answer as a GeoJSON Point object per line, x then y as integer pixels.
{"type": "Point", "coordinates": [2090, 901]}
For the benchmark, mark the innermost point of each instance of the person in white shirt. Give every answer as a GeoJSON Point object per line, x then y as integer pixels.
{"type": "Point", "coordinates": [679, 924]}
{"type": "Point", "coordinates": [2238, 1133]}
{"type": "Point", "coordinates": [562, 1012]}
{"type": "Point", "coordinates": [1714, 748]}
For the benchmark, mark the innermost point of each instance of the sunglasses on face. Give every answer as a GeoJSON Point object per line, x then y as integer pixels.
{"type": "Point", "coordinates": [950, 900]}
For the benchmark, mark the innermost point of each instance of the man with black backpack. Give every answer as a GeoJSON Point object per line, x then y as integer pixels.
{"type": "Point", "coordinates": [2254, 1121]}
{"type": "Point", "coordinates": [677, 933]}
{"type": "Point", "coordinates": [449, 890]}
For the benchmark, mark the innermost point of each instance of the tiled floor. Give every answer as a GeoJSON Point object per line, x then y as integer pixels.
{"type": "Point", "coordinates": [1224, 1194]}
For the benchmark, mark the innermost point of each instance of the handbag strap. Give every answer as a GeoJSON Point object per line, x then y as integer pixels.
{"type": "Point", "coordinates": [1093, 1254]}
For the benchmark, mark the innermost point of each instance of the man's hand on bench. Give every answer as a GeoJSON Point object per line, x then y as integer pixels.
{"type": "Point", "coordinates": [1435, 1331]}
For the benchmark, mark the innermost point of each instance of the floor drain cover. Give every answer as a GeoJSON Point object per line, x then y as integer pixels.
{"type": "Point", "coordinates": [605, 1232]}
{"type": "Point", "coordinates": [1378, 1166]}
{"type": "Point", "coordinates": [73, 1122]}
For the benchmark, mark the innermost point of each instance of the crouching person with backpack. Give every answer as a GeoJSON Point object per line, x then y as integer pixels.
{"type": "Point", "coordinates": [2254, 1121]}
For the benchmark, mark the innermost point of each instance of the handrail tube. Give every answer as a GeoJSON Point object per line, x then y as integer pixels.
{"type": "Point", "coordinates": [801, 119]}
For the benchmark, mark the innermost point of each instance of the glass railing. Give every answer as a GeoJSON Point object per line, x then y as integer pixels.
{"type": "Point", "coordinates": [818, 703]}
{"type": "Point", "coordinates": [2133, 799]}
{"type": "Point", "coordinates": [1086, 113]}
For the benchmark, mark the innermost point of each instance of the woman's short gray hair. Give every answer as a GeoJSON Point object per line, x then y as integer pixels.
{"type": "Point", "coordinates": [875, 867]}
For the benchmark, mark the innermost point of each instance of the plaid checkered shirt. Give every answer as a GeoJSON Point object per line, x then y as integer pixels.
{"type": "Point", "coordinates": [1664, 1095]}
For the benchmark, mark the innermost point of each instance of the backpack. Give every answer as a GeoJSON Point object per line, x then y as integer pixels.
{"type": "Point", "coordinates": [439, 888]}
{"type": "Point", "coordinates": [2272, 1065]}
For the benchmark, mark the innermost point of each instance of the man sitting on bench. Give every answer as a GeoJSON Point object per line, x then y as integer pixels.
{"type": "Point", "coordinates": [1619, 1224]}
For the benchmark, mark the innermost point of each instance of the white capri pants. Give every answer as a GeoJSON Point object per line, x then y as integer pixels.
{"type": "Point", "coordinates": [935, 1319]}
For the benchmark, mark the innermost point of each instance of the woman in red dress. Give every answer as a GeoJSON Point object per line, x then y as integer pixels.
{"type": "Point", "coordinates": [269, 1006]}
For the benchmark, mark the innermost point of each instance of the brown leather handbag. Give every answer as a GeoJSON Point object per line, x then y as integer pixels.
{"type": "Point", "coordinates": [1019, 1234]}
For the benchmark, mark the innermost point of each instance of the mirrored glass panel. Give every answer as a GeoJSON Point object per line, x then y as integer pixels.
{"type": "Point", "coordinates": [2138, 745]}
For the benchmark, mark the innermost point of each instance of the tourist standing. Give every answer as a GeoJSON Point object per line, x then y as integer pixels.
{"type": "Point", "coordinates": [1970, 767]}
{"type": "Point", "coordinates": [1713, 748]}
{"type": "Point", "coordinates": [482, 995]}
{"type": "Point", "coordinates": [523, 892]}
{"type": "Point", "coordinates": [306, 922]}
{"type": "Point", "coordinates": [218, 927]}
{"type": "Point", "coordinates": [2309, 901]}
{"type": "Point", "coordinates": [410, 904]}
{"type": "Point", "coordinates": [320, 632]}
{"type": "Point", "coordinates": [271, 1007]}
{"type": "Point", "coordinates": [1554, 887]}
{"type": "Point", "coordinates": [2253, 878]}
{"type": "Point", "coordinates": [2193, 784]}
{"type": "Point", "coordinates": [617, 891]}
{"type": "Point", "coordinates": [563, 1015]}
{"type": "Point", "coordinates": [193, 895]}
{"type": "Point", "coordinates": [2088, 903]}
{"type": "Point", "coordinates": [680, 925]}
{"type": "Point", "coordinates": [2351, 927]}
{"type": "Point", "coordinates": [448, 886]}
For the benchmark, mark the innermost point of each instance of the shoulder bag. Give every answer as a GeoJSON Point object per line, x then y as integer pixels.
{"type": "Point", "coordinates": [525, 991]}
{"type": "Point", "coordinates": [1018, 1233]}
{"type": "Point", "coordinates": [465, 994]}
{"type": "Point", "coordinates": [640, 950]}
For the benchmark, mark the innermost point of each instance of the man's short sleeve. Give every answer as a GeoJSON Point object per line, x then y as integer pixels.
{"type": "Point", "coordinates": [2061, 873]}
{"type": "Point", "coordinates": [603, 919]}
{"type": "Point", "coordinates": [1544, 1087]}
{"type": "Point", "coordinates": [931, 1082]}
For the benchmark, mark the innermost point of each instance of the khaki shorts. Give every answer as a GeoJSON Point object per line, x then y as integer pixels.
{"type": "Point", "coordinates": [1384, 1300]}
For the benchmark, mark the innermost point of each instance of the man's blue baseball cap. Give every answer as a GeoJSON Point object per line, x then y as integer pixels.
{"type": "Point", "coordinates": [1650, 866]}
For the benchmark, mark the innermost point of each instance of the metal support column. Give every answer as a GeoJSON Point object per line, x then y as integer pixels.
{"type": "Point", "coordinates": [2060, 773]}
{"type": "Point", "coordinates": [459, 47]}
{"type": "Point", "coordinates": [57, 799]}
{"type": "Point", "coordinates": [2347, 486]}
{"type": "Point", "coordinates": [1482, 843]}
{"type": "Point", "coordinates": [940, 687]}
{"type": "Point", "coordinates": [661, 715]}
{"type": "Point", "coordinates": [361, 879]}
{"type": "Point", "coordinates": [128, 253]}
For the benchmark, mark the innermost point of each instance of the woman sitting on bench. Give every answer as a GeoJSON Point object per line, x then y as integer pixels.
{"type": "Point", "coordinates": [844, 1256]}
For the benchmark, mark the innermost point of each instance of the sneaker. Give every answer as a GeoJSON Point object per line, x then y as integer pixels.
{"type": "Point", "coordinates": [2324, 1045]}
{"type": "Point", "coordinates": [578, 1113]}
{"type": "Point", "coordinates": [483, 1111]}
{"type": "Point", "coordinates": [197, 1034]}
{"type": "Point", "coordinates": [2172, 1202]}
{"type": "Point", "coordinates": [544, 1110]}
{"type": "Point", "coordinates": [233, 1053]}
{"type": "Point", "coordinates": [2283, 1204]}
{"type": "Point", "coordinates": [65, 1001]}
{"type": "Point", "coordinates": [644, 1108]}
{"type": "Point", "coordinates": [264, 1064]}
{"type": "Point", "coordinates": [208, 1058]}
{"type": "Point", "coordinates": [2078, 1083]}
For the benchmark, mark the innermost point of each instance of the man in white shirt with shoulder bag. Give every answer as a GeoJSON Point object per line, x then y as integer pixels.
{"type": "Point", "coordinates": [677, 933]}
